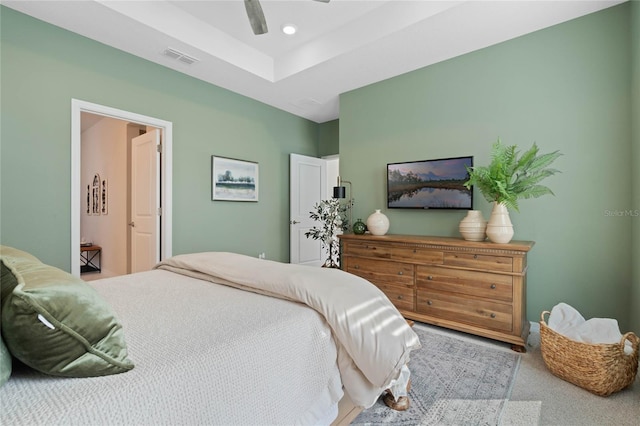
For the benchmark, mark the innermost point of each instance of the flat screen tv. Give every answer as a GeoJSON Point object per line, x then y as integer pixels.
{"type": "Point", "coordinates": [430, 184]}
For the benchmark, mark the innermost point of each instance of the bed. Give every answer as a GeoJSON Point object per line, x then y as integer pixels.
{"type": "Point", "coordinates": [204, 338]}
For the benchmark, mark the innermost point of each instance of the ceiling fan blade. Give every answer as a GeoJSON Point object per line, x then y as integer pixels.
{"type": "Point", "coordinates": [256, 17]}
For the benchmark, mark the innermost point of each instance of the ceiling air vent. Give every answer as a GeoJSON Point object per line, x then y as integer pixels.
{"type": "Point", "coordinates": [179, 56]}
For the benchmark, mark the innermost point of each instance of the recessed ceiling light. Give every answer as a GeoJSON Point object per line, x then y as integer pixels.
{"type": "Point", "coordinates": [289, 29]}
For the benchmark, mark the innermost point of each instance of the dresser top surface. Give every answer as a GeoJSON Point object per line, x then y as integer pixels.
{"type": "Point", "coordinates": [443, 241]}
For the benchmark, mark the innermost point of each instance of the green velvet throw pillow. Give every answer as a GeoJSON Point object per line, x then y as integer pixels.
{"type": "Point", "coordinates": [57, 323]}
{"type": "Point", "coordinates": [5, 363]}
{"type": "Point", "coordinates": [8, 280]}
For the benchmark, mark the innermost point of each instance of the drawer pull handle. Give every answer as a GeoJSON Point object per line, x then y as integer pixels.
{"type": "Point", "coordinates": [475, 256]}
{"type": "Point", "coordinates": [400, 273]}
{"type": "Point", "coordinates": [415, 250]}
{"type": "Point", "coordinates": [430, 277]}
{"type": "Point", "coordinates": [400, 297]}
{"type": "Point", "coordinates": [493, 286]}
{"type": "Point", "coordinates": [429, 302]}
{"type": "Point", "coordinates": [357, 266]}
{"type": "Point", "coordinates": [492, 315]}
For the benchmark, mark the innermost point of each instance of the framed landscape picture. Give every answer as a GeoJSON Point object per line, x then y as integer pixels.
{"type": "Point", "coordinates": [233, 180]}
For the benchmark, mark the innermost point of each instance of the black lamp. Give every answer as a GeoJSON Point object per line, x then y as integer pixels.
{"type": "Point", "coordinates": [341, 192]}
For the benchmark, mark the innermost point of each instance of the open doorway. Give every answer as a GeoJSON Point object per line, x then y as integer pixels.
{"type": "Point", "coordinates": [119, 222]}
{"type": "Point", "coordinates": [100, 200]}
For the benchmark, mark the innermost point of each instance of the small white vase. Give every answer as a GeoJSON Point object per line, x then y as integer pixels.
{"type": "Point", "coordinates": [378, 223]}
{"type": "Point", "coordinates": [499, 227]}
{"type": "Point", "coordinates": [473, 227]}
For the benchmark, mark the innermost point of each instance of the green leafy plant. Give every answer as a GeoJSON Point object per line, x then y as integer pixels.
{"type": "Point", "coordinates": [331, 214]}
{"type": "Point", "coordinates": [510, 177]}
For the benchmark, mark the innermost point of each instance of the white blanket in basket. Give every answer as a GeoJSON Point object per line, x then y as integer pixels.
{"type": "Point", "coordinates": [566, 320]}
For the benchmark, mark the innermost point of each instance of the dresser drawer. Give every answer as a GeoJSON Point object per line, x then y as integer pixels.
{"type": "Point", "coordinates": [464, 309]}
{"type": "Point", "coordinates": [463, 282]}
{"type": "Point", "coordinates": [479, 261]}
{"type": "Point", "coordinates": [417, 255]}
{"type": "Point", "coordinates": [367, 249]}
{"type": "Point", "coordinates": [380, 272]}
{"type": "Point", "coordinates": [401, 297]}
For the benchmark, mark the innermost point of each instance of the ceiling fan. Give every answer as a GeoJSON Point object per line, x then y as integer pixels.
{"type": "Point", "coordinates": [256, 16]}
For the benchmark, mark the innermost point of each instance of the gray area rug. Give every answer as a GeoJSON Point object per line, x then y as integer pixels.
{"type": "Point", "coordinates": [454, 381]}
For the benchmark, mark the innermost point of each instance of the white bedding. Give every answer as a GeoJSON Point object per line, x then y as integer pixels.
{"type": "Point", "coordinates": [207, 353]}
{"type": "Point", "coordinates": [204, 354]}
{"type": "Point", "coordinates": [374, 341]}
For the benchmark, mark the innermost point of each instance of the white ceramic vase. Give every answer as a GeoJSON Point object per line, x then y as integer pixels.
{"type": "Point", "coordinates": [473, 227]}
{"type": "Point", "coordinates": [499, 227]}
{"type": "Point", "coordinates": [378, 223]}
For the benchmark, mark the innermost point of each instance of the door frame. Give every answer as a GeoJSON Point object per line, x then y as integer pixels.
{"type": "Point", "coordinates": [166, 175]}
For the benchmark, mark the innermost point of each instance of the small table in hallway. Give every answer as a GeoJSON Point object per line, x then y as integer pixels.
{"type": "Point", "coordinates": [90, 258]}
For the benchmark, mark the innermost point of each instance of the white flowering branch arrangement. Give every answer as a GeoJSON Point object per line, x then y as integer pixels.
{"type": "Point", "coordinates": [331, 214]}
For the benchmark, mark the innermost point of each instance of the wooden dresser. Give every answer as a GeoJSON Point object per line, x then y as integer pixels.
{"type": "Point", "coordinates": [475, 287]}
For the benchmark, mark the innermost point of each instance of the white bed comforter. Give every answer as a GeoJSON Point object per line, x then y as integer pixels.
{"type": "Point", "coordinates": [205, 354]}
{"type": "Point", "coordinates": [374, 341]}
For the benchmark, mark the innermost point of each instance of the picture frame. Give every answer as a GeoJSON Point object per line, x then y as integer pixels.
{"type": "Point", "coordinates": [104, 200]}
{"type": "Point", "coordinates": [95, 195]}
{"type": "Point", "coordinates": [234, 180]}
{"type": "Point", "coordinates": [89, 200]}
{"type": "Point", "coordinates": [430, 184]}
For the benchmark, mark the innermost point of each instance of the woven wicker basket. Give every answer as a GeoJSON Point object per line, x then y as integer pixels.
{"type": "Point", "coordinates": [599, 368]}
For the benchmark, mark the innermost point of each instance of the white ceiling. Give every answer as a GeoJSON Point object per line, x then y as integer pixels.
{"type": "Point", "coordinates": [340, 46]}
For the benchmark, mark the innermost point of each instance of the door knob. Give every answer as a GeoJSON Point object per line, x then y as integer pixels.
{"type": "Point", "coordinates": [293, 222]}
{"type": "Point", "coordinates": [132, 224]}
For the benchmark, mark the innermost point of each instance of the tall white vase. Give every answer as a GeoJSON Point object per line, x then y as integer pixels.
{"type": "Point", "coordinates": [499, 227]}
{"type": "Point", "coordinates": [378, 223]}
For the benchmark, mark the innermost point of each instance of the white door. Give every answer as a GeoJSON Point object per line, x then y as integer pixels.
{"type": "Point", "coordinates": [308, 185]}
{"type": "Point", "coordinates": [145, 202]}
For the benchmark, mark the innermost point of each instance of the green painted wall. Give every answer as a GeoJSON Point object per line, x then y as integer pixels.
{"type": "Point", "coordinates": [565, 87]}
{"type": "Point", "coordinates": [329, 138]}
{"type": "Point", "coordinates": [44, 67]}
{"type": "Point", "coordinates": [635, 120]}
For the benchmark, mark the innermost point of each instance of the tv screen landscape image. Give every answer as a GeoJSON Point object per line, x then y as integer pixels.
{"type": "Point", "coordinates": [430, 184]}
